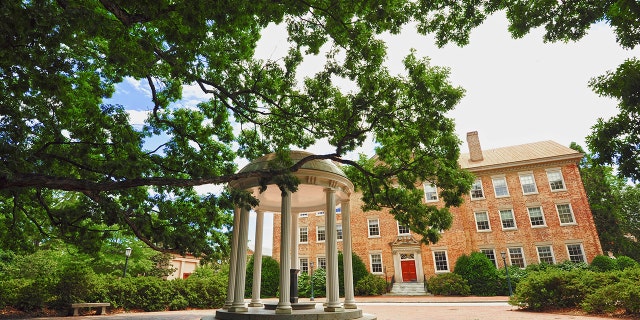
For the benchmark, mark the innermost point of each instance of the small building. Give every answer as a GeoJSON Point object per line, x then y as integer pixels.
{"type": "Point", "coordinates": [184, 266]}
{"type": "Point", "coordinates": [528, 201]}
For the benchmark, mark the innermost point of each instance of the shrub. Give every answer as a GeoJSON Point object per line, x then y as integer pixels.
{"type": "Point", "coordinates": [76, 281]}
{"type": "Point", "coordinates": [480, 273]}
{"type": "Point", "coordinates": [270, 280]}
{"type": "Point", "coordinates": [625, 262]}
{"type": "Point", "coordinates": [623, 295]}
{"type": "Point", "coordinates": [553, 289]}
{"type": "Point", "coordinates": [603, 263]}
{"type": "Point", "coordinates": [371, 285]}
{"type": "Point", "coordinates": [515, 276]}
{"type": "Point", "coordinates": [448, 284]}
{"type": "Point", "coordinates": [359, 270]}
{"type": "Point", "coordinates": [206, 292]}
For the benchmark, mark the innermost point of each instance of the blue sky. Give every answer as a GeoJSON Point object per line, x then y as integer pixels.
{"type": "Point", "coordinates": [517, 91]}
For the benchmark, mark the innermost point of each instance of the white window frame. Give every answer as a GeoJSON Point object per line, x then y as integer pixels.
{"type": "Point", "coordinates": [320, 213]}
{"type": "Point", "coordinates": [400, 226]}
{"type": "Point", "coordinates": [513, 217]}
{"type": "Point", "coordinates": [304, 265]}
{"type": "Point", "coordinates": [551, 173]}
{"type": "Point", "coordinates": [573, 218]}
{"type": "Point", "coordinates": [339, 234]}
{"type": "Point", "coordinates": [582, 255]}
{"type": "Point", "coordinates": [306, 234]}
{"type": "Point", "coordinates": [500, 180]}
{"type": "Point", "coordinates": [377, 222]}
{"type": "Point", "coordinates": [528, 175]}
{"type": "Point", "coordinates": [524, 260]}
{"type": "Point", "coordinates": [322, 265]}
{"type": "Point", "coordinates": [436, 261]}
{"type": "Point", "coordinates": [338, 210]}
{"type": "Point", "coordinates": [544, 221]}
{"type": "Point", "coordinates": [303, 214]}
{"type": "Point", "coordinates": [486, 214]}
{"type": "Point", "coordinates": [324, 233]}
{"type": "Point", "coordinates": [553, 257]}
{"type": "Point", "coordinates": [430, 191]}
{"type": "Point", "coordinates": [377, 254]}
{"type": "Point", "coordinates": [477, 183]}
{"type": "Point", "coordinates": [492, 252]}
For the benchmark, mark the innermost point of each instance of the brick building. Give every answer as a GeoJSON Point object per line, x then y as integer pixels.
{"type": "Point", "coordinates": [528, 201]}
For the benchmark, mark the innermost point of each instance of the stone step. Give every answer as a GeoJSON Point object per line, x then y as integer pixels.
{"type": "Point", "coordinates": [408, 289]}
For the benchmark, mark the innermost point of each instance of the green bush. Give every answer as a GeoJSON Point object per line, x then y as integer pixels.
{"type": "Point", "coordinates": [603, 263]}
{"type": "Point", "coordinates": [448, 284]}
{"type": "Point", "coordinates": [625, 262]}
{"type": "Point", "coordinates": [480, 273]}
{"type": "Point", "coordinates": [623, 295]}
{"type": "Point", "coordinates": [371, 285]}
{"type": "Point", "coordinates": [359, 270]}
{"type": "Point", "coordinates": [556, 289]}
{"type": "Point", "coordinates": [270, 279]}
{"type": "Point", "coordinates": [515, 276]}
{"type": "Point", "coordinates": [206, 292]}
{"type": "Point", "coordinates": [76, 281]}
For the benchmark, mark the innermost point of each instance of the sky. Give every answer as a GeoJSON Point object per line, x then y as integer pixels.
{"type": "Point", "coordinates": [517, 90]}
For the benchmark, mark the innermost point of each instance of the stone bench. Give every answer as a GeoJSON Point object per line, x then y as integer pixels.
{"type": "Point", "coordinates": [102, 310]}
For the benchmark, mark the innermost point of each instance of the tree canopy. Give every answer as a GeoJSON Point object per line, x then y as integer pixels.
{"type": "Point", "coordinates": [74, 167]}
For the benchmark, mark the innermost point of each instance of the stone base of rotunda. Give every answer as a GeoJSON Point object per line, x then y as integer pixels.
{"type": "Point", "coordinates": [309, 314]}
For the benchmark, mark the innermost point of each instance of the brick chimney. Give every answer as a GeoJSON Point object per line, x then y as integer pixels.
{"type": "Point", "coordinates": [475, 151]}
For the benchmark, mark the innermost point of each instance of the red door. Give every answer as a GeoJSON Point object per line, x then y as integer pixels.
{"type": "Point", "coordinates": [408, 270]}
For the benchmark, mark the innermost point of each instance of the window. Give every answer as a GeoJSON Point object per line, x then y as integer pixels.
{"type": "Point", "coordinates": [508, 222]}
{"type": "Point", "coordinates": [322, 263]}
{"type": "Point", "coordinates": [320, 213]}
{"type": "Point", "coordinates": [374, 228]}
{"type": "Point", "coordinates": [304, 214]}
{"type": "Point", "coordinates": [440, 261]}
{"type": "Point", "coordinates": [376, 263]}
{"type": "Point", "coordinates": [304, 265]}
{"type": "Point", "coordinates": [545, 255]}
{"type": "Point", "coordinates": [482, 221]}
{"type": "Point", "coordinates": [528, 183]}
{"type": "Point", "coordinates": [338, 210]}
{"type": "Point", "coordinates": [556, 182]}
{"type": "Point", "coordinates": [339, 231]}
{"type": "Point", "coordinates": [536, 216]}
{"type": "Point", "coordinates": [575, 252]}
{"type": "Point", "coordinates": [304, 234]}
{"type": "Point", "coordinates": [565, 213]}
{"type": "Point", "coordinates": [476, 190]}
{"type": "Point", "coordinates": [491, 254]}
{"type": "Point", "coordinates": [500, 187]}
{"type": "Point", "coordinates": [321, 233]}
{"type": "Point", "coordinates": [430, 192]}
{"type": "Point", "coordinates": [402, 229]}
{"type": "Point", "coordinates": [516, 257]}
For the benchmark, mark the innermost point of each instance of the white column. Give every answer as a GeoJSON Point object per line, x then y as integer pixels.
{"type": "Point", "coordinates": [241, 267]}
{"type": "Point", "coordinates": [349, 300]}
{"type": "Point", "coordinates": [295, 241]}
{"type": "Point", "coordinates": [284, 305]}
{"type": "Point", "coordinates": [257, 262]}
{"type": "Point", "coordinates": [232, 259]}
{"type": "Point", "coordinates": [331, 244]}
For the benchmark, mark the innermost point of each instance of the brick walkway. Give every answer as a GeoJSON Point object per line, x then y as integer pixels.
{"type": "Point", "coordinates": [387, 308]}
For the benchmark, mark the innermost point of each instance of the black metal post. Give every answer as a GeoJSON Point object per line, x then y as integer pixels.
{"type": "Point", "coordinates": [311, 280]}
{"type": "Point", "coordinates": [127, 253]}
{"type": "Point", "coordinates": [293, 273]}
{"type": "Point", "coordinates": [506, 269]}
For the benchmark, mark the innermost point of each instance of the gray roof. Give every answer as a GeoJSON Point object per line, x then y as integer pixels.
{"type": "Point", "coordinates": [530, 153]}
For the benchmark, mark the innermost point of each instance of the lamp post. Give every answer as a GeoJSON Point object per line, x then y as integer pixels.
{"type": "Point", "coordinates": [311, 279]}
{"type": "Point", "coordinates": [127, 253]}
{"type": "Point", "coordinates": [506, 269]}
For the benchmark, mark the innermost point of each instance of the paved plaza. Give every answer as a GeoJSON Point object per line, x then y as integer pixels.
{"type": "Point", "coordinates": [387, 308]}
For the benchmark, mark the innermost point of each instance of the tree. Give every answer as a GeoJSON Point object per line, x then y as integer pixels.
{"type": "Point", "coordinates": [613, 205]}
{"type": "Point", "coordinates": [60, 140]}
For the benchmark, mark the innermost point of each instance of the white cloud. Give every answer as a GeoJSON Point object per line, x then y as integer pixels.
{"type": "Point", "coordinates": [140, 86]}
{"type": "Point", "coordinates": [138, 117]}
